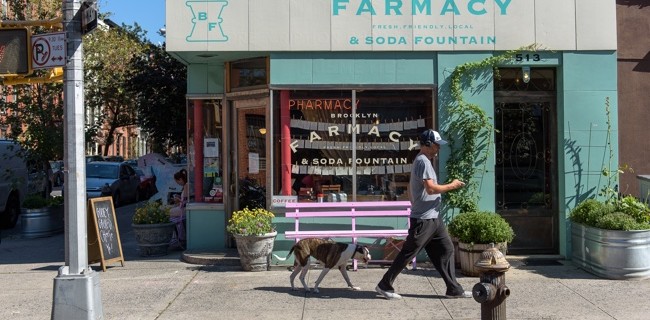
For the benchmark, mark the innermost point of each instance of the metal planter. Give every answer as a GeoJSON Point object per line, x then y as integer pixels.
{"type": "Point", "coordinates": [153, 239]}
{"type": "Point", "coordinates": [611, 254]}
{"type": "Point", "coordinates": [43, 222]}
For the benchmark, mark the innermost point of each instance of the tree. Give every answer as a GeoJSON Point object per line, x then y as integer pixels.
{"type": "Point", "coordinates": [158, 83]}
{"type": "Point", "coordinates": [107, 63]}
{"type": "Point", "coordinates": [34, 113]}
{"type": "Point", "coordinates": [36, 119]}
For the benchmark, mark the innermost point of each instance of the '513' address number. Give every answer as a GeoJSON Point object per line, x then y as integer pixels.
{"type": "Point", "coordinates": [527, 57]}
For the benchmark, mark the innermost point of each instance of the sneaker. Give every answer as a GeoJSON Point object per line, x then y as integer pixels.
{"type": "Point", "coordinates": [388, 294]}
{"type": "Point", "coordinates": [464, 294]}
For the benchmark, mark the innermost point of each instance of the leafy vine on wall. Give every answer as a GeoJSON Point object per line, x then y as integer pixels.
{"type": "Point", "coordinates": [470, 130]}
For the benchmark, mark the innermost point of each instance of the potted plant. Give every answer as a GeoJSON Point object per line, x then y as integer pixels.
{"type": "Point", "coordinates": [41, 217]}
{"type": "Point", "coordinates": [152, 228]}
{"type": "Point", "coordinates": [254, 234]}
{"type": "Point", "coordinates": [475, 232]}
{"type": "Point", "coordinates": [611, 238]}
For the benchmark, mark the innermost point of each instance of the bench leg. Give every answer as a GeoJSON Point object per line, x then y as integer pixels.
{"type": "Point", "coordinates": [354, 261]}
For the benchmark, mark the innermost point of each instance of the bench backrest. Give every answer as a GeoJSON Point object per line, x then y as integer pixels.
{"type": "Point", "coordinates": [348, 209]}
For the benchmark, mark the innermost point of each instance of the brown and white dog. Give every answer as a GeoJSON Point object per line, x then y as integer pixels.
{"type": "Point", "coordinates": [331, 254]}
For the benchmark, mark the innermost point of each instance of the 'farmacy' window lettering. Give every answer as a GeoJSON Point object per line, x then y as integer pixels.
{"type": "Point", "coordinates": [363, 150]}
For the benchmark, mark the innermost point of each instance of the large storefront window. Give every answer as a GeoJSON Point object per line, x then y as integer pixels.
{"type": "Point", "coordinates": [348, 145]}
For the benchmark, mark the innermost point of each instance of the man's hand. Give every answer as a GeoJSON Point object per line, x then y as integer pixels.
{"type": "Point", "coordinates": [432, 188]}
{"type": "Point", "coordinates": [457, 184]}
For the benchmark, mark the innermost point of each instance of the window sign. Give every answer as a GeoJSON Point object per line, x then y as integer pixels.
{"type": "Point", "coordinates": [253, 162]}
{"type": "Point", "coordinates": [383, 137]}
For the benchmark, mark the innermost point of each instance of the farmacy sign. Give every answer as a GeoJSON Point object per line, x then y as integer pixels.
{"type": "Point", "coordinates": [420, 7]}
{"type": "Point", "coordinates": [389, 25]}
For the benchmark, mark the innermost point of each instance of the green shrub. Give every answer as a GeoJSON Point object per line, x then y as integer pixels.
{"type": "Point", "coordinates": [56, 201]}
{"type": "Point", "coordinates": [152, 213]}
{"type": "Point", "coordinates": [634, 208]}
{"type": "Point", "coordinates": [588, 212]}
{"type": "Point", "coordinates": [480, 227]}
{"type": "Point", "coordinates": [35, 202]}
{"type": "Point", "coordinates": [620, 221]}
{"type": "Point", "coordinates": [626, 213]}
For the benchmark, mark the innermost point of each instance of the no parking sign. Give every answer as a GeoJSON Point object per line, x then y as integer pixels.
{"type": "Point", "coordinates": [48, 50]}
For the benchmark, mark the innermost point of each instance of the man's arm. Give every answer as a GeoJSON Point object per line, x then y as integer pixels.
{"type": "Point", "coordinates": [433, 188]}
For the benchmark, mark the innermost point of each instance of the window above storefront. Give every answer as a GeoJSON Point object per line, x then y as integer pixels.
{"type": "Point", "coordinates": [247, 74]}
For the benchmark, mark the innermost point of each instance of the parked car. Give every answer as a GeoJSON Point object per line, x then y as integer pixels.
{"type": "Point", "coordinates": [114, 179]}
{"type": "Point", "coordinates": [95, 157]}
{"type": "Point", "coordinates": [19, 178]}
{"type": "Point", "coordinates": [147, 187]}
{"type": "Point", "coordinates": [57, 173]}
{"type": "Point", "coordinates": [132, 162]}
{"type": "Point", "coordinates": [13, 186]}
{"type": "Point", "coordinates": [114, 158]}
{"type": "Point", "coordinates": [40, 178]}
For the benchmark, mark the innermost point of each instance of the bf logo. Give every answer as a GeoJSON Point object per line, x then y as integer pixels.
{"type": "Point", "coordinates": [207, 21]}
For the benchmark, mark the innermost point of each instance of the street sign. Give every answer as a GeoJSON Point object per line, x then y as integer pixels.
{"type": "Point", "coordinates": [88, 16]}
{"type": "Point", "coordinates": [48, 50]}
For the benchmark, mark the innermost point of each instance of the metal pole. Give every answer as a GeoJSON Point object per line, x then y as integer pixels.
{"type": "Point", "coordinates": [198, 150]}
{"type": "Point", "coordinates": [285, 134]}
{"type": "Point", "coordinates": [77, 293]}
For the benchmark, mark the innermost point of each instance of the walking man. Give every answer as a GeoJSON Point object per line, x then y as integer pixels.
{"type": "Point", "coordinates": [426, 230]}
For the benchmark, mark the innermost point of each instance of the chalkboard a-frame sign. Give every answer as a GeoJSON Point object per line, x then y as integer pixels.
{"type": "Point", "coordinates": [104, 244]}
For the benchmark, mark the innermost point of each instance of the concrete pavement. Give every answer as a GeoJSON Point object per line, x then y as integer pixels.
{"type": "Point", "coordinates": [167, 288]}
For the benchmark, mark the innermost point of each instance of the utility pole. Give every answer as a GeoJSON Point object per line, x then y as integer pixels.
{"type": "Point", "coordinates": [77, 293]}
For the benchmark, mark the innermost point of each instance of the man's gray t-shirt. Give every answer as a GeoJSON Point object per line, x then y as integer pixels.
{"type": "Point", "coordinates": [423, 205]}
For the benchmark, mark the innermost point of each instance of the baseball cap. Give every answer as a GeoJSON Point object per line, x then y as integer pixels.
{"type": "Point", "coordinates": [430, 135]}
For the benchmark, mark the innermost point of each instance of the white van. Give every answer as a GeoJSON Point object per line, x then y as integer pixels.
{"type": "Point", "coordinates": [14, 179]}
{"type": "Point", "coordinates": [19, 178]}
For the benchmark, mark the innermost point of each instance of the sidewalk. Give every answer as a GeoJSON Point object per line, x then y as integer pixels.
{"type": "Point", "coordinates": [167, 288]}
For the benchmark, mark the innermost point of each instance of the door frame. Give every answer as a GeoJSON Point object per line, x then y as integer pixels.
{"type": "Point", "coordinates": [551, 99]}
{"type": "Point", "coordinates": [234, 107]}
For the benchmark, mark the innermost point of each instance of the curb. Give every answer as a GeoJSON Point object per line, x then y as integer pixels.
{"type": "Point", "coordinates": [221, 258]}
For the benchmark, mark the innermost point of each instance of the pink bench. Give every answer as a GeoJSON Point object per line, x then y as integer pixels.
{"type": "Point", "coordinates": [352, 210]}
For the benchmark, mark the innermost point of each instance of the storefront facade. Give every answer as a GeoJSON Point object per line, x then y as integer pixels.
{"type": "Point", "coordinates": [298, 98]}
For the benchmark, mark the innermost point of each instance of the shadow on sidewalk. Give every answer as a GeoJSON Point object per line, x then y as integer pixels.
{"type": "Point", "coordinates": [325, 292]}
{"type": "Point", "coordinates": [16, 249]}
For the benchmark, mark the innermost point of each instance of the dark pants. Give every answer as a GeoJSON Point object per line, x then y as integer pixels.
{"type": "Point", "coordinates": [430, 234]}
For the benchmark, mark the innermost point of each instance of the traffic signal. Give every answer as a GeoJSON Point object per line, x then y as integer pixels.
{"type": "Point", "coordinates": [56, 73]}
{"type": "Point", "coordinates": [15, 57]}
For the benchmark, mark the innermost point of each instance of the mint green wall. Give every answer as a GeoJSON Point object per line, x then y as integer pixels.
{"type": "Point", "coordinates": [484, 97]}
{"type": "Point", "coordinates": [205, 79]}
{"type": "Point", "coordinates": [584, 81]}
{"type": "Point", "coordinates": [587, 80]}
{"type": "Point", "coordinates": [480, 92]}
{"type": "Point", "coordinates": [206, 229]}
{"type": "Point", "coordinates": [356, 68]}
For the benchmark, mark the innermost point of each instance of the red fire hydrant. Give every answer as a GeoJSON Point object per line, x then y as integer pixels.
{"type": "Point", "coordinates": [492, 291]}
